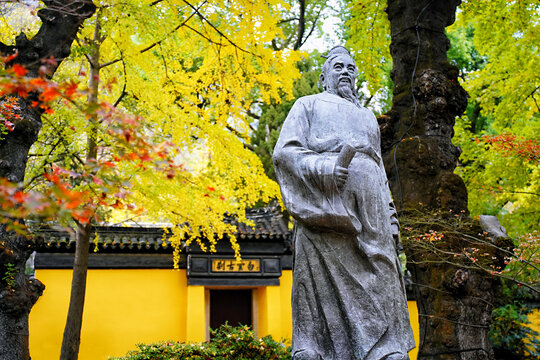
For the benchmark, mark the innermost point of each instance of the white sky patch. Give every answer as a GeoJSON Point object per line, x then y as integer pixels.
{"type": "Point", "coordinates": [330, 30]}
{"type": "Point", "coordinates": [328, 39]}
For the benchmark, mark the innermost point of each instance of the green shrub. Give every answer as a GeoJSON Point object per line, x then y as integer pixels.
{"type": "Point", "coordinates": [227, 342]}
{"type": "Point", "coordinates": [510, 334]}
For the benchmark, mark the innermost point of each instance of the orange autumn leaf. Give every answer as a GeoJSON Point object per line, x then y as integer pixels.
{"type": "Point", "coordinates": [72, 204]}
{"type": "Point", "coordinates": [131, 156]}
{"type": "Point", "coordinates": [50, 93]}
{"type": "Point", "coordinates": [38, 82]}
{"type": "Point", "coordinates": [19, 70]}
{"type": "Point", "coordinates": [20, 197]}
{"type": "Point", "coordinates": [52, 177]}
{"type": "Point", "coordinates": [117, 204]}
{"type": "Point", "coordinates": [70, 90]}
{"type": "Point", "coordinates": [145, 157]}
{"type": "Point", "coordinates": [83, 218]}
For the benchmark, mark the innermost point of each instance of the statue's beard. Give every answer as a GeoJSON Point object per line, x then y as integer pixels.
{"type": "Point", "coordinates": [345, 91]}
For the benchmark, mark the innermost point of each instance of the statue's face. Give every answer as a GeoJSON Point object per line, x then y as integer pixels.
{"type": "Point", "coordinates": [340, 72]}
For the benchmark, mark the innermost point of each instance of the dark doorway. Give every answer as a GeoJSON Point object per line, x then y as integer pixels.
{"type": "Point", "coordinates": [231, 306]}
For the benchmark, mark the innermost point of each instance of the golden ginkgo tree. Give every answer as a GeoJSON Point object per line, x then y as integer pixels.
{"type": "Point", "coordinates": [187, 72]}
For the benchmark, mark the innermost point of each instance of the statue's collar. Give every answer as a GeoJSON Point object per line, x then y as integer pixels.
{"type": "Point", "coordinates": [326, 96]}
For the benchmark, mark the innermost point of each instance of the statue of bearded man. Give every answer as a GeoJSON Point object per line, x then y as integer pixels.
{"type": "Point", "coordinates": [348, 297]}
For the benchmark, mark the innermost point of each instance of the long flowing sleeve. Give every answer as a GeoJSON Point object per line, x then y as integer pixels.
{"type": "Point", "coordinates": [306, 177]}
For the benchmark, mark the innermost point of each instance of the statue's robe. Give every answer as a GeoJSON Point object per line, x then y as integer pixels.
{"type": "Point", "coordinates": [348, 298]}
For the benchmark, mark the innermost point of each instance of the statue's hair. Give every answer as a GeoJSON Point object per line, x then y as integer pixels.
{"type": "Point", "coordinates": [336, 50]}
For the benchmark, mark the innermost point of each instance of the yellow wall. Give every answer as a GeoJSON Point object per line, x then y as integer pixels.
{"type": "Point", "coordinates": [126, 307]}
{"type": "Point", "coordinates": [286, 310]}
{"type": "Point", "coordinates": [195, 315]}
{"type": "Point", "coordinates": [273, 309]}
{"type": "Point", "coordinates": [122, 308]}
{"type": "Point", "coordinates": [413, 315]}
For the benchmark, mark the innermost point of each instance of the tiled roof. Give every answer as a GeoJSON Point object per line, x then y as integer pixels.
{"type": "Point", "coordinates": [269, 226]}
{"type": "Point", "coordinates": [108, 238]}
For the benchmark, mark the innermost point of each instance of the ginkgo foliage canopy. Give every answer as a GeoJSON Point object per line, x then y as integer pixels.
{"type": "Point", "coordinates": [501, 134]}
{"type": "Point", "coordinates": [191, 71]}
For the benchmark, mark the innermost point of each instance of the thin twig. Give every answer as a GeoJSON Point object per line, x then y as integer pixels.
{"type": "Point", "coordinates": [151, 46]}
{"type": "Point", "coordinates": [202, 17]}
{"type": "Point", "coordinates": [453, 321]}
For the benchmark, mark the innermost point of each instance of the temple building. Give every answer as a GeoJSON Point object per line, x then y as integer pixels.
{"type": "Point", "coordinates": [134, 295]}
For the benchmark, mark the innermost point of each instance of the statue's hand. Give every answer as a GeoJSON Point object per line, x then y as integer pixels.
{"type": "Point", "coordinates": [340, 176]}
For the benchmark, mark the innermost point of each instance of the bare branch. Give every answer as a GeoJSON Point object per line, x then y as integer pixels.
{"type": "Point", "coordinates": [515, 192]}
{"type": "Point", "coordinates": [176, 28]}
{"type": "Point", "coordinates": [455, 322]}
{"type": "Point", "coordinates": [534, 98]}
{"type": "Point", "coordinates": [85, 55]}
{"type": "Point", "coordinates": [202, 35]}
{"type": "Point", "coordinates": [109, 63]}
{"type": "Point", "coordinates": [123, 93]}
{"type": "Point", "coordinates": [28, 184]}
{"type": "Point", "coordinates": [283, 21]}
{"type": "Point", "coordinates": [72, 8]}
{"type": "Point", "coordinates": [65, 142]}
{"type": "Point", "coordinates": [301, 25]}
{"type": "Point", "coordinates": [253, 115]}
{"type": "Point", "coordinates": [313, 26]}
{"type": "Point", "coordinates": [240, 136]}
{"type": "Point", "coordinates": [368, 100]}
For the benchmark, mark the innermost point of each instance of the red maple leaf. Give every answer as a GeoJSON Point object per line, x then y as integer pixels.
{"type": "Point", "coordinates": [20, 197]}
{"type": "Point", "coordinates": [50, 93]}
{"type": "Point", "coordinates": [19, 70]}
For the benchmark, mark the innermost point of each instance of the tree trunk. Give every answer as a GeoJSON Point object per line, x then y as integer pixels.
{"type": "Point", "coordinates": [417, 131]}
{"type": "Point", "coordinates": [72, 331]}
{"type": "Point", "coordinates": [17, 295]}
{"type": "Point", "coordinates": [454, 301]}
{"type": "Point", "coordinates": [60, 23]}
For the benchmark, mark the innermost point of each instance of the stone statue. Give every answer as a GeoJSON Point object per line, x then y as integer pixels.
{"type": "Point", "coordinates": [348, 298]}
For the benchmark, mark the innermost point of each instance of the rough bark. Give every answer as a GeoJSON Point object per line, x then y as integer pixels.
{"type": "Point", "coordinates": [60, 23]}
{"type": "Point", "coordinates": [454, 302]}
{"type": "Point", "coordinates": [417, 131]}
{"type": "Point", "coordinates": [17, 297]}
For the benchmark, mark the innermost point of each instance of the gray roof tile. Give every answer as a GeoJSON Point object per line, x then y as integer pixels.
{"type": "Point", "coordinates": [269, 226]}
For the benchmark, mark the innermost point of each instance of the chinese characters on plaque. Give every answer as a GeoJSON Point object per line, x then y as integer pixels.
{"type": "Point", "coordinates": [231, 265]}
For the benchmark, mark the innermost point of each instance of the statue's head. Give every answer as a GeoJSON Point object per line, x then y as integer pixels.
{"type": "Point", "coordinates": [338, 75]}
